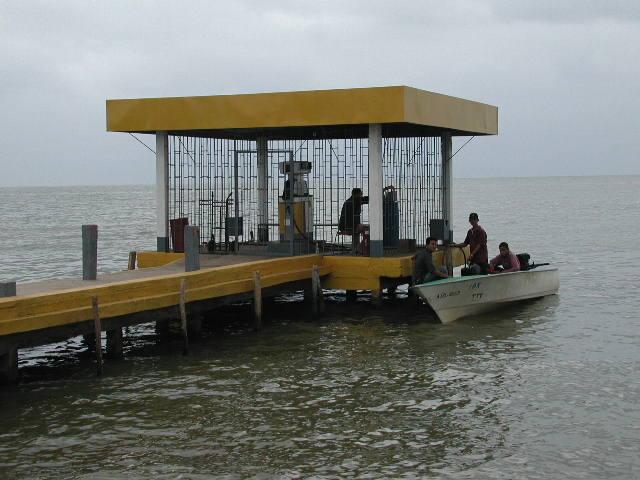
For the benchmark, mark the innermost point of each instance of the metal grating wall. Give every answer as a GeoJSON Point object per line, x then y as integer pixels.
{"type": "Point", "coordinates": [201, 182]}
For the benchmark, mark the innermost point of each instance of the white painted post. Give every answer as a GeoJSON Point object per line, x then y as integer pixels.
{"type": "Point", "coordinates": [263, 189]}
{"type": "Point", "coordinates": [162, 191]}
{"type": "Point", "coordinates": [375, 190]}
{"type": "Point", "coordinates": [447, 177]}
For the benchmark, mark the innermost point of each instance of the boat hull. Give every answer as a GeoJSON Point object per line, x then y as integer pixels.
{"type": "Point", "coordinates": [458, 297]}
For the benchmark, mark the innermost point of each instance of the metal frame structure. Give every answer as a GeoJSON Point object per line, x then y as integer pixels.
{"type": "Point", "coordinates": [204, 173]}
{"type": "Point", "coordinates": [361, 137]}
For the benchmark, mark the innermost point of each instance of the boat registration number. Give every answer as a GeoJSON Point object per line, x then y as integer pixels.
{"type": "Point", "coordinates": [448, 294]}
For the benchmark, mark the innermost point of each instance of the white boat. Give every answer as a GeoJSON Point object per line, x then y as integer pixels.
{"type": "Point", "coordinates": [457, 297]}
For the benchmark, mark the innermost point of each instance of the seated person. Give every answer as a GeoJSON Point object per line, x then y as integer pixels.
{"type": "Point", "coordinates": [425, 271]}
{"type": "Point", "coordinates": [350, 216]}
{"type": "Point", "coordinates": [505, 262]}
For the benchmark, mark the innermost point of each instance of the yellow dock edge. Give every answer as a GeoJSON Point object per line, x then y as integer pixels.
{"type": "Point", "coordinates": [36, 312]}
{"type": "Point", "coordinates": [146, 259]}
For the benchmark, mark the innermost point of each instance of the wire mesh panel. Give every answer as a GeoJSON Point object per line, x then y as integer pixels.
{"type": "Point", "coordinates": [203, 173]}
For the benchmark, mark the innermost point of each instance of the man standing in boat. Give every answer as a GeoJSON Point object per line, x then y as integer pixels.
{"type": "Point", "coordinates": [425, 270]}
{"type": "Point", "coordinates": [477, 240]}
{"type": "Point", "coordinates": [505, 262]}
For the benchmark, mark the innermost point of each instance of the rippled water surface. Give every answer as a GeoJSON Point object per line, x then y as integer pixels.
{"type": "Point", "coordinates": [546, 389]}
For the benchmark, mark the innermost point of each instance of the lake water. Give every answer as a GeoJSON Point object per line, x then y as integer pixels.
{"type": "Point", "coordinates": [547, 389]}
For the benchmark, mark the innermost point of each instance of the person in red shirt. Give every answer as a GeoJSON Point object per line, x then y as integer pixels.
{"type": "Point", "coordinates": [477, 240]}
{"type": "Point", "coordinates": [505, 262]}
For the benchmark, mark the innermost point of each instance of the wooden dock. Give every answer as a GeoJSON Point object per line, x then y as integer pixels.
{"type": "Point", "coordinates": [55, 310]}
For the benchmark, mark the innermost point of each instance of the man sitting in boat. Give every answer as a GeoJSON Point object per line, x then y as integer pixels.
{"type": "Point", "coordinates": [425, 270]}
{"type": "Point", "coordinates": [477, 240]}
{"type": "Point", "coordinates": [505, 262]}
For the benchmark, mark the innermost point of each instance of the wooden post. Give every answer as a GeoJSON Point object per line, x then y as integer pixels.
{"type": "Point", "coordinates": [183, 316]}
{"type": "Point", "coordinates": [317, 298]}
{"type": "Point", "coordinates": [9, 359]}
{"type": "Point", "coordinates": [376, 297]}
{"type": "Point", "coordinates": [132, 261]}
{"type": "Point", "coordinates": [191, 248]}
{"type": "Point", "coordinates": [89, 252]}
{"type": "Point", "coordinates": [314, 291]}
{"type": "Point", "coordinates": [195, 326]}
{"type": "Point", "coordinates": [257, 301]}
{"type": "Point", "coordinates": [97, 332]}
{"type": "Point", "coordinates": [114, 344]}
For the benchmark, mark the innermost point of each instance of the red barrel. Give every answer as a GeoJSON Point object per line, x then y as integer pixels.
{"type": "Point", "coordinates": [177, 233]}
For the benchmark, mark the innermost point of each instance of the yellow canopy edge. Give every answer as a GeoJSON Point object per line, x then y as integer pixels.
{"type": "Point", "coordinates": [399, 106]}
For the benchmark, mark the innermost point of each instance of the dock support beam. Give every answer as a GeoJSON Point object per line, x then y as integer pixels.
{"type": "Point", "coordinates": [162, 191]}
{"type": "Point", "coordinates": [97, 329]}
{"type": "Point", "coordinates": [317, 297]}
{"type": "Point", "coordinates": [191, 248]}
{"type": "Point", "coordinates": [263, 189]}
{"type": "Point", "coordinates": [257, 301]}
{"type": "Point", "coordinates": [114, 344]}
{"type": "Point", "coordinates": [183, 317]}
{"type": "Point", "coordinates": [375, 190]}
{"type": "Point", "coordinates": [89, 252]}
{"type": "Point", "coordinates": [376, 297]}
{"type": "Point", "coordinates": [9, 359]}
{"type": "Point", "coordinates": [447, 178]}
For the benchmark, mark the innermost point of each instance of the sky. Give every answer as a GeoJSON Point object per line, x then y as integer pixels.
{"type": "Point", "coordinates": [564, 74]}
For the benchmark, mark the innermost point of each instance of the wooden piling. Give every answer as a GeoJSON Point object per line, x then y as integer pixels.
{"type": "Point", "coordinates": [257, 301]}
{"type": "Point", "coordinates": [317, 298]}
{"type": "Point", "coordinates": [132, 261]}
{"type": "Point", "coordinates": [183, 316]}
{"type": "Point", "coordinates": [89, 252]}
{"type": "Point", "coordinates": [191, 248]}
{"type": "Point", "coordinates": [98, 334]}
{"type": "Point", "coordinates": [9, 359]}
{"type": "Point", "coordinates": [376, 297]}
{"type": "Point", "coordinates": [114, 344]}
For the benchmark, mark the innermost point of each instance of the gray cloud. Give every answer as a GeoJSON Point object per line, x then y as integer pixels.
{"type": "Point", "coordinates": [565, 79]}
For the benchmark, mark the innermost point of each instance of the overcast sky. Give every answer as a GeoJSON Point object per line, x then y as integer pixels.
{"type": "Point", "coordinates": [565, 74]}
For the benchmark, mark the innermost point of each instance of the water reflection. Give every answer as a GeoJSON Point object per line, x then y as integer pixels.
{"type": "Point", "coordinates": [362, 393]}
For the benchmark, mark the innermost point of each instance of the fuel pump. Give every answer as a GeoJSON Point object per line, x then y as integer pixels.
{"type": "Point", "coordinates": [295, 206]}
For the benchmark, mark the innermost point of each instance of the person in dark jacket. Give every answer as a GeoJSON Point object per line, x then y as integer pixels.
{"type": "Point", "coordinates": [425, 271]}
{"type": "Point", "coordinates": [350, 216]}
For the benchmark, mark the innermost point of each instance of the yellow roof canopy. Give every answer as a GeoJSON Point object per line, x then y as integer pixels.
{"type": "Point", "coordinates": [344, 113]}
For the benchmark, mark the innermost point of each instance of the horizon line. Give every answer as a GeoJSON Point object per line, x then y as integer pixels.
{"type": "Point", "coordinates": [455, 178]}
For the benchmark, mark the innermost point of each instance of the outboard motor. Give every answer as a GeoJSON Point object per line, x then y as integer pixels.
{"type": "Point", "coordinates": [523, 258]}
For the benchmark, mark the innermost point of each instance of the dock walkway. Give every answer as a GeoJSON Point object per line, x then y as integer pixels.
{"type": "Point", "coordinates": [54, 310]}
